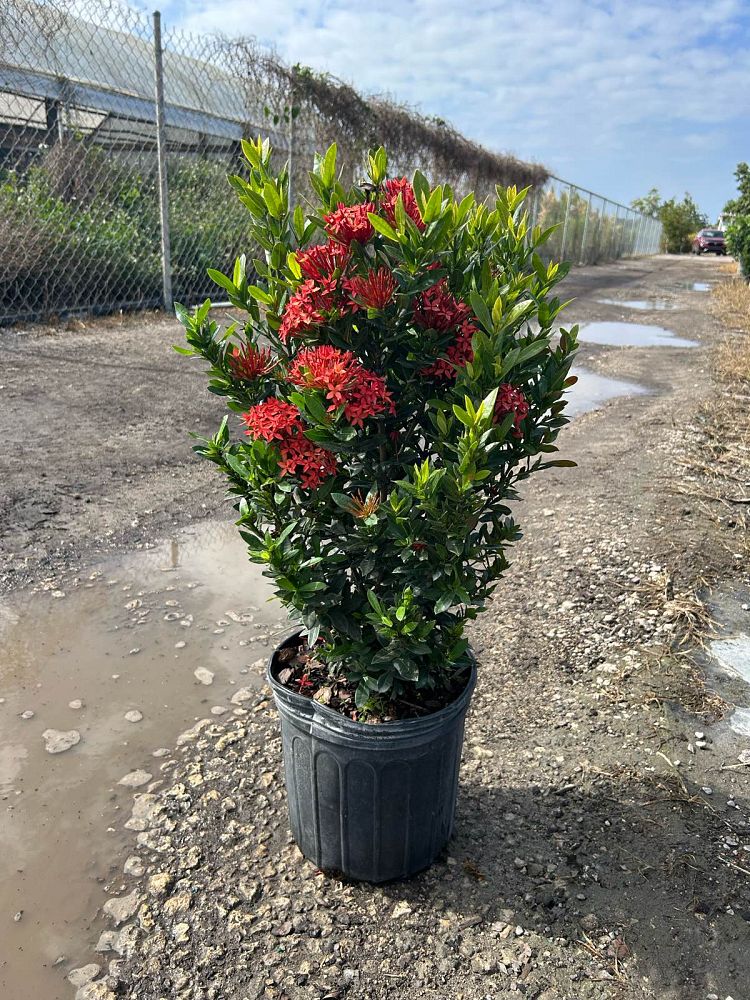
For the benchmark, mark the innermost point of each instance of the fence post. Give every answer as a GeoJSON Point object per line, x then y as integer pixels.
{"type": "Point", "coordinates": [161, 153]}
{"type": "Point", "coordinates": [565, 224]}
{"type": "Point", "coordinates": [582, 258]}
{"type": "Point", "coordinates": [290, 195]}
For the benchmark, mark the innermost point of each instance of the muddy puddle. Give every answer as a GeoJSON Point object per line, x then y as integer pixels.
{"type": "Point", "coordinates": [124, 643]}
{"type": "Point", "coordinates": [592, 391]}
{"type": "Point", "coordinates": [614, 334]}
{"type": "Point", "coordinates": [728, 656]}
{"type": "Point", "coordinates": [643, 305]}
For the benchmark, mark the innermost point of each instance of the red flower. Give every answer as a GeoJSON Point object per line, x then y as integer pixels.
{"type": "Point", "coordinates": [511, 400]}
{"type": "Point", "coordinates": [368, 398]}
{"type": "Point", "coordinates": [349, 223]}
{"type": "Point", "coordinates": [437, 309]}
{"type": "Point", "coordinates": [272, 419]}
{"type": "Point", "coordinates": [325, 368]}
{"type": "Point", "coordinates": [312, 305]}
{"type": "Point", "coordinates": [375, 290]}
{"type": "Point", "coordinates": [343, 379]}
{"type": "Point", "coordinates": [248, 363]}
{"type": "Point", "coordinates": [419, 546]}
{"type": "Point", "coordinates": [391, 190]}
{"type": "Point", "coordinates": [303, 458]}
{"type": "Point", "coordinates": [322, 260]}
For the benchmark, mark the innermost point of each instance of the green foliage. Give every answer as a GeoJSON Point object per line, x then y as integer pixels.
{"type": "Point", "coordinates": [680, 221]}
{"type": "Point", "coordinates": [738, 210]}
{"type": "Point", "coordinates": [389, 556]}
{"type": "Point", "coordinates": [738, 241]}
{"type": "Point", "coordinates": [741, 204]}
{"type": "Point", "coordinates": [649, 204]}
{"type": "Point", "coordinates": [81, 230]}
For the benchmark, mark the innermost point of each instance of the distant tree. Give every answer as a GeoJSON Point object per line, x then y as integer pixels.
{"type": "Point", "coordinates": [680, 221]}
{"type": "Point", "coordinates": [741, 204]}
{"type": "Point", "coordinates": [649, 204]}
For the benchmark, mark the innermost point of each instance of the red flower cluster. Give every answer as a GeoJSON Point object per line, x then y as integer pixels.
{"type": "Point", "coordinates": [271, 420]}
{"type": "Point", "coordinates": [325, 368]}
{"type": "Point", "coordinates": [319, 262]}
{"type": "Point", "coordinates": [349, 223]}
{"type": "Point", "coordinates": [345, 382]}
{"type": "Point", "coordinates": [437, 309]}
{"type": "Point", "coordinates": [248, 363]}
{"type": "Point", "coordinates": [391, 190]}
{"type": "Point", "coordinates": [308, 461]}
{"type": "Point", "coordinates": [511, 400]}
{"type": "Point", "coordinates": [368, 398]}
{"type": "Point", "coordinates": [312, 305]}
{"type": "Point", "coordinates": [375, 290]}
{"type": "Point", "coordinates": [276, 420]}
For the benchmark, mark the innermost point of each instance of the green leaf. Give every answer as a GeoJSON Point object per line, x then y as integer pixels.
{"type": "Point", "coordinates": [445, 602]}
{"type": "Point", "coordinates": [383, 227]}
{"type": "Point", "coordinates": [221, 279]}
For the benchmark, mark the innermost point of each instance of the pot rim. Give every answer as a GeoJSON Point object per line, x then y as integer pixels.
{"type": "Point", "coordinates": [332, 719]}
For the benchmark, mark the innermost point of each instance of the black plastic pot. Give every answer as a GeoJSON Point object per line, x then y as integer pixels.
{"type": "Point", "coordinates": [375, 802]}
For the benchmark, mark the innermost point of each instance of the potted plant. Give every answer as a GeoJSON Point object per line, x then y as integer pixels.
{"type": "Point", "coordinates": [397, 374]}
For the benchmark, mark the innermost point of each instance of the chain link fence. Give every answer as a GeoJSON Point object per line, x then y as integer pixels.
{"type": "Point", "coordinates": [116, 137]}
{"type": "Point", "coordinates": [590, 228]}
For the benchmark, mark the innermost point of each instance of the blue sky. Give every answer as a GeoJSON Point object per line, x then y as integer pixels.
{"type": "Point", "coordinates": [616, 95]}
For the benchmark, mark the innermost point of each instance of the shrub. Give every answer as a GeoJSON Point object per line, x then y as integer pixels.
{"type": "Point", "coordinates": [738, 242]}
{"type": "Point", "coordinates": [396, 381]}
{"type": "Point", "coordinates": [81, 230]}
{"type": "Point", "coordinates": [680, 220]}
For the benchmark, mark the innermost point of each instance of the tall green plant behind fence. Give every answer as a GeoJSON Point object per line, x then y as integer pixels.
{"type": "Point", "coordinates": [81, 145]}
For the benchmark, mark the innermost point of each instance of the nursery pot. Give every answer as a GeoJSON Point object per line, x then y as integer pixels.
{"type": "Point", "coordinates": [375, 802]}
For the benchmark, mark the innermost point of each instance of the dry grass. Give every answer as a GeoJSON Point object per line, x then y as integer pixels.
{"type": "Point", "coordinates": [716, 470]}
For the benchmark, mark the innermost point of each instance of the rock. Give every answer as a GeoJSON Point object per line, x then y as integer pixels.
{"type": "Point", "coordinates": [242, 695]}
{"type": "Point", "coordinates": [121, 942]}
{"type": "Point", "coordinates": [57, 741]}
{"type": "Point", "coordinates": [28, 714]}
{"type": "Point", "coordinates": [145, 810]}
{"type": "Point", "coordinates": [76, 704]}
{"type": "Point", "coordinates": [134, 866]}
{"type": "Point", "coordinates": [589, 922]}
{"type": "Point", "coordinates": [203, 676]}
{"type": "Point", "coordinates": [134, 779]}
{"type": "Point", "coordinates": [95, 991]}
{"type": "Point", "coordinates": [161, 752]}
{"type": "Point", "coordinates": [122, 908]}
{"type": "Point", "coordinates": [134, 715]}
{"type": "Point", "coordinates": [218, 710]}
{"type": "Point", "coordinates": [181, 933]}
{"type": "Point", "coordinates": [159, 883]}
{"type": "Point", "coordinates": [79, 977]}
{"type": "Point", "coordinates": [401, 909]}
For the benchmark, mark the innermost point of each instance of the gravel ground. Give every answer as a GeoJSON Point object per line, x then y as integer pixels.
{"type": "Point", "coordinates": [602, 846]}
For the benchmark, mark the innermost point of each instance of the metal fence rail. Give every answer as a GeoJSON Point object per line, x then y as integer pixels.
{"type": "Point", "coordinates": [116, 136]}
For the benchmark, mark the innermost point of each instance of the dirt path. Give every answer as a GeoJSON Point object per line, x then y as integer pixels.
{"type": "Point", "coordinates": [602, 845]}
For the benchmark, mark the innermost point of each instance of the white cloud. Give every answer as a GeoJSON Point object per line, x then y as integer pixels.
{"type": "Point", "coordinates": [566, 82]}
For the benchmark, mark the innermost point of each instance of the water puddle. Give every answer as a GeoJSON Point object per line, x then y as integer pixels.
{"type": "Point", "coordinates": [645, 305]}
{"type": "Point", "coordinates": [734, 655]}
{"type": "Point", "coordinates": [739, 721]}
{"type": "Point", "coordinates": [592, 391]}
{"type": "Point", "coordinates": [699, 286]}
{"type": "Point", "coordinates": [631, 335]}
{"type": "Point", "coordinates": [128, 639]}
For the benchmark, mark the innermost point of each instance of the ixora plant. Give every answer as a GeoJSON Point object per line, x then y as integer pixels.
{"type": "Point", "coordinates": [397, 375]}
